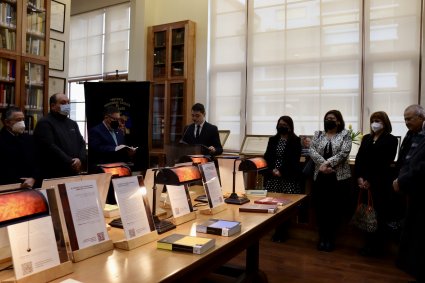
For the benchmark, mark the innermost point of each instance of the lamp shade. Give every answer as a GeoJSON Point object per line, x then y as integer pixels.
{"type": "Point", "coordinates": [195, 159]}
{"type": "Point", "coordinates": [22, 205]}
{"type": "Point", "coordinates": [178, 175]}
{"type": "Point", "coordinates": [117, 169]}
{"type": "Point", "coordinates": [253, 164]}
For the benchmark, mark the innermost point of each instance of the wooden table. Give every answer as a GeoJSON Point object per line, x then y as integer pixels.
{"type": "Point", "coordinates": [149, 264]}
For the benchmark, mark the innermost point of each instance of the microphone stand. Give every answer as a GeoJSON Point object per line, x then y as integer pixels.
{"type": "Point", "coordinates": [234, 198]}
{"type": "Point", "coordinates": [161, 226]}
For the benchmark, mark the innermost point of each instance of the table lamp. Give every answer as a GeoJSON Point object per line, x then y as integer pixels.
{"type": "Point", "coordinates": [118, 169]}
{"type": "Point", "coordinates": [22, 205]}
{"type": "Point", "coordinates": [249, 164]}
{"type": "Point", "coordinates": [195, 159]}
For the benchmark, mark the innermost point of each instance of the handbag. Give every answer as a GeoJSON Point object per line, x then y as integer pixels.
{"type": "Point", "coordinates": [364, 217]}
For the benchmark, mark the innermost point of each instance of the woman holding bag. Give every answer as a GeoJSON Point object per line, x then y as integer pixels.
{"type": "Point", "coordinates": [373, 174]}
{"type": "Point", "coordinates": [330, 150]}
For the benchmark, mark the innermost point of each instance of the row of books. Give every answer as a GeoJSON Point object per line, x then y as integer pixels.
{"type": "Point", "coordinates": [7, 70]}
{"type": "Point", "coordinates": [7, 95]}
{"type": "Point", "coordinates": [7, 39]}
{"type": "Point", "coordinates": [34, 74]}
{"type": "Point", "coordinates": [35, 46]}
{"type": "Point", "coordinates": [199, 245]}
{"type": "Point", "coordinates": [37, 5]}
{"type": "Point", "coordinates": [36, 23]}
{"type": "Point", "coordinates": [8, 15]}
{"type": "Point", "coordinates": [34, 99]}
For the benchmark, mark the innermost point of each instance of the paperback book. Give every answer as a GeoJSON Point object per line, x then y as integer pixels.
{"type": "Point", "coordinates": [272, 200]}
{"type": "Point", "coordinates": [219, 227]}
{"type": "Point", "coordinates": [184, 243]}
{"type": "Point", "coordinates": [257, 207]}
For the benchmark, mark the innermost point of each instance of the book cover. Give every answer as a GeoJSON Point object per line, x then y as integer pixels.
{"type": "Point", "coordinates": [272, 200]}
{"type": "Point", "coordinates": [111, 210]}
{"type": "Point", "coordinates": [184, 243]}
{"type": "Point", "coordinates": [256, 207]}
{"type": "Point", "coordinates": [219, 227]}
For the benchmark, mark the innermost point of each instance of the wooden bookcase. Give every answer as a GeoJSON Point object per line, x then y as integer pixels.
{"type": "Point", "coordinates": [170, 69]}
{"type": "Point", "coordinates": [24, 56]}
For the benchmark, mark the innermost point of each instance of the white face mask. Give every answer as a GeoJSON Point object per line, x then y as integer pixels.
{"type": "Point", "coordinates": [375, 126]}
{"type": "Point", "coordinates": [65, 109]}
{"type": "Point", "coordinates": [18, 127]}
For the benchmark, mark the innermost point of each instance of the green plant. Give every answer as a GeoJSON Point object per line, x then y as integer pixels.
{"type": "Point", "coordinates": [356, 137]}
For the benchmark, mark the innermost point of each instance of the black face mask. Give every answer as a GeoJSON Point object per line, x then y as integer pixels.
{"type": "Point", "coordinates": [329, 125]}
{"type": "Point", "coordinates": [282, 130]}
{"type": "Point", "coordinates": [114, 125]}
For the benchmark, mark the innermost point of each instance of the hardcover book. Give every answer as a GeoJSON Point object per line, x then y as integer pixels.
{"type": "Point", "coordinates": [184, 243]}
{"type": "Point", "coordinates": [256, 207]}
{"type": "Point", "coordinates": [219, 227]}
{"type": "Point", "coordinates": [272, 200]}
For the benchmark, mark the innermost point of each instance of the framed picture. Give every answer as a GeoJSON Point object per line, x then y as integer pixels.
{"type": "Point", "coordinates": [254, 145]}
{"type": "Point", "coordinates": [56, 85]}
{"type": "Point", "coordinates": [57, 16]}
{"type": "Point", "coordinates": [57, 51]}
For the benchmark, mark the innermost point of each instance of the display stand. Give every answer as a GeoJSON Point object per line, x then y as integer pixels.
{"type": "Point", "coordinates": [184, 218]}
{"type": "Point", "coordinates": [91, 251]}
{"type": "Point", "coordinates": [214, 210]}
{"type": "Point", "coordinates": [45, 275]}
{"type": "Point", "coordinates": [136, 242]}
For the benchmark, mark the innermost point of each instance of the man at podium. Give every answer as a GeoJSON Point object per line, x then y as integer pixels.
{"type": "Point", "coordinates": [202, 133]}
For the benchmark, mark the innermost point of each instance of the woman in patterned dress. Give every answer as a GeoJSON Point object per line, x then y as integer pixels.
{"type": "Point", "coordinates": [283, 160]}
{"type": "Point", "coordinates": [330, 151]}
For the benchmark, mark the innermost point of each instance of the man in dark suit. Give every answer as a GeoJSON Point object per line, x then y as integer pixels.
{"type": "Point", "coordinates": [200, 132]}
{"type": "Point", "coordinates": [411, 182]}
{"type": "Point", "coordinates": [106, 141]}
{"type": "Point", "coordinates": [17, 151]}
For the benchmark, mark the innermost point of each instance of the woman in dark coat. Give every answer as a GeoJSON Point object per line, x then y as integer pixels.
{"type": "Point", "coordinates": [283, 161]}
{"type": "Point", "coordinates": [373, 172]}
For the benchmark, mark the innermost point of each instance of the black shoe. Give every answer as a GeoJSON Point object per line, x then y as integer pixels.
{"type": "Point", "coordinates": [329, 246]}
{"type": "Point", "coordinates": [321, 246]}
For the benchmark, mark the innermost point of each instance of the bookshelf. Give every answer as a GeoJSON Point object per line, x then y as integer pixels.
{"type": "Point", "coordinates": [24, 59]}
{"type": "Point", "coordinates": [170, 69]}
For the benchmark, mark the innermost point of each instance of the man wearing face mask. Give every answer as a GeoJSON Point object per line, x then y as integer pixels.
{"type": "Point", "coordinates": [16, 151]}
{"type": "Point", "coordinates": [60, 147]}
{"type": "Point", "coordinates": [107, 141]}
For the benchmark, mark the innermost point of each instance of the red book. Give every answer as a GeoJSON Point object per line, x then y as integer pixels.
{"type": "Point", "coordinates": [272, 200]}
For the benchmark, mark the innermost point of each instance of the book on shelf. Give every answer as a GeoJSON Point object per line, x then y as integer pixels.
{"type": "Point", "coordinates": [273, 200]}
{"type": "Point", "coordinates": [184, 243]}
{"type": "Point", "coordinates": [219, 227]}
{"type": "Point", "coordinates": [256, 207]}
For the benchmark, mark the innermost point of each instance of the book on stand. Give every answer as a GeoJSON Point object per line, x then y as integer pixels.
{"type": "Point", "coordinates": [184, 243]}
{"type": "Point", "coordinates": [256, 207]}
{"type": "Point", "coordinates": [273, 200]}
{"type": "Point", "coordinates": [219, 227]}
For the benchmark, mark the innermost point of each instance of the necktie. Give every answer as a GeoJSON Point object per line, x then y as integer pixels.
{"type": "Point", "coordinates": [198, 129]}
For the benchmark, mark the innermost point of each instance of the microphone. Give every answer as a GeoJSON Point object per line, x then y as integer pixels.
{"type": "Point", "coordinates": [184, 134]}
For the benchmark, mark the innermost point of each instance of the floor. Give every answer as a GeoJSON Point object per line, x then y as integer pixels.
{"type": "Point", "coordinates": [297, 260]}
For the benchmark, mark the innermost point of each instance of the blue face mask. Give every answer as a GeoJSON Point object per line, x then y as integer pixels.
{"type": "Point", "coordinates": [65, 109]}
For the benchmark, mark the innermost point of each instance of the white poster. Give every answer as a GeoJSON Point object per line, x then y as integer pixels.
{"type": "Point", "coordinates": [179, 200]}
{"type": "Point", "coordinates": [212, 184]}
{"type": "Point", "coordinates": [33, 246]}
{"type": "Point", "coordinates": [87, 214]}
{"type": "Point", "coordinates": [129, 196]}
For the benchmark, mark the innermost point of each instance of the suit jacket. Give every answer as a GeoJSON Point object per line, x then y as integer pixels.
{"type": "Point", "coordinates": [290, 168]}
{"type": "Point", "coordinates": [411, 181]}
{"type": "Point", "coordinates": [208, 137]}
{"type": "Point", "coordinates": [102, 146]}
